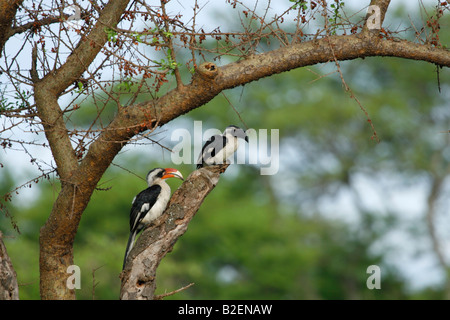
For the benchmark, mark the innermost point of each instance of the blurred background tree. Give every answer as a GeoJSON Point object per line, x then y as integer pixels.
{"type": "Point", "coordinates": [340, 202]}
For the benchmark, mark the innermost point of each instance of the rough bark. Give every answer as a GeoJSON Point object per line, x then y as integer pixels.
{"type": "Point", "coordinates": [9, 288]}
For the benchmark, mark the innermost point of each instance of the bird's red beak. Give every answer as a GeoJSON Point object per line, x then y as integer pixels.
{"type": "Point", "coordinates": [172, 173]}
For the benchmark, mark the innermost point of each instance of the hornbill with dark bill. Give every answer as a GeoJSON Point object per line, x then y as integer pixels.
{"type": "Point", "coordinates": [150, 203]}
{"type": "Point", "coordinates": [220, 147]}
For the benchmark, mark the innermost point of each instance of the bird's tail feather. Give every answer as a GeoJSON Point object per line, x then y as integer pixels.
{"type": "Point", "coordinates": [129, 247]}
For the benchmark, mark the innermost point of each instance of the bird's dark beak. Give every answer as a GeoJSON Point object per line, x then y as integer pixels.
{"type": "Point", "coordinates": [172, 173]}
{"type": "Point", "coordinates": [240, 133]}
{"type": "Point", "coordinates": [244, 136]}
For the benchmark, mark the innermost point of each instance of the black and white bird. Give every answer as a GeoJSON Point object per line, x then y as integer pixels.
{"type": "Point", "coordinates": [150, 203]}
{"type": "Point", "coordinates": [220, 147]}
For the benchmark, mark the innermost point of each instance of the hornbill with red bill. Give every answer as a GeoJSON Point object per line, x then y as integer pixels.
{"type": "Point", "coordinates": [150, 203]}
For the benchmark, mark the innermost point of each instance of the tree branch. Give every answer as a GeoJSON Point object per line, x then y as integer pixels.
{"type": "Point", "coordinates": [48, 89]}
{"type": "Point", "coordinates": [318, 51]}
{"type": "Point", "coordinates": [383, 5]}
{"type": "Point", "coordinates": [139, 275]}
{"type": "Point", "coordinates": [39, 23]}
{"type": "Point", "coordinates": [8, 11]}
{"type": "Point", "coordinates": [210, 80]}
{"type": "Point", "coordinates": [162, 296]}
{"type": "Point", "coordinates": [9, 289]}
{"type": "Point", "coordinates": [87, 49]}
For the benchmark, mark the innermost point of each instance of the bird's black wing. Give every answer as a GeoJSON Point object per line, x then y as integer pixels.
{"type": "Point", "coordinates": [211, 148]}
{"type": "Point", "coordinates": [143, 202]}
{"type": "Point", "coordinates": [141, 205]}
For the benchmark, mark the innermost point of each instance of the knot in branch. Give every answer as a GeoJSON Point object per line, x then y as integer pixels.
{"type": "Point", "coordinates": [208, 70]}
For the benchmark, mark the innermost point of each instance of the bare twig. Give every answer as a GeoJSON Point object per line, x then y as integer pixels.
{"type": "Point", "coordinates": [352, 95]}
{"type": "Point", "coordinates": [162, 296]}
{"type": "Point", "coordinates": [94, 284]}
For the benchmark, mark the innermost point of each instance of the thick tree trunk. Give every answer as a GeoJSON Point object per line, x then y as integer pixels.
{"type": "Point", "coordinates": [78, 181]}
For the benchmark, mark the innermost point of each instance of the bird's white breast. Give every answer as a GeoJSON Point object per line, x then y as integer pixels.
{"type": "Point", "coordinates": [226, 152]}
{"type": "Point", "coordinates": [230, 147]}
{"type": "Point", "coordinates": [160, 204]}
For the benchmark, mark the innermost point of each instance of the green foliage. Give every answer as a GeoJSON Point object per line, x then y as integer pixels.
{"type": "Point", "coordinates": [111, 35]}
{"type": "Point", "coordinates": [21, 98]}
{"type": "Point", "coordinates": [302, 4]}
{"type": "Point", "coordinates": [125, 85]}
{"type": "Point", "coordinates": [336, 8]}
{"type": "Point", "coordinates": [168, 63]}
{"type": "Point", "coordinates": [138, 37]}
